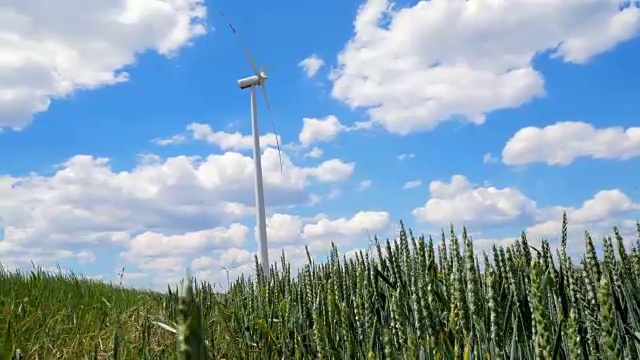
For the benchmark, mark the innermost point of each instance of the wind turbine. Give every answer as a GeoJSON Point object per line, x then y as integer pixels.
{"type": "Point", "coordinates": [251, 82]}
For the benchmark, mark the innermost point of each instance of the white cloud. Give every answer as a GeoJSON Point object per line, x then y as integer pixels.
{"type": "Point", "coordinates": [311, 65]}
{"type": "Point", "coordinates": [228, 141]}
{"type": "Point", "coordinates": [317, 232]}
{"type": "Point", "coordinates": [364, 184]}
{"type": "Point", "coordinates": [333, 170]}
{"type": "Point", "coordinates": [14, 255]}
{"type": "Point", "coordinates": [174, 139]}
{"type": "Point", "coordinates": [320, 130]}
{"type": "Point", "coordinates": [412, 184]}
{"type": "Point", "coordinates": [449, 58]}
{"type": "Point", "coordinates": [486, 208]}
{"type": "Point", "coordinates": [604, 204]}
{"type": "Point", "coordinates": [406, 156]}
{"type": "Point", "coordinates": [86, 203]}
{"type": "Point", "coordinates": [597, 215]}
{"type": "Point", "coordinates": [564, 142]}
{"type": "Point", "coordinates": [488, 158]}
{"type": "Point", "coordinates": [290, 233]}
{"type": "Point", "coordinates": [343, 231]}
{"type": "Point", "coordinates": [224, 140]}
{"type": "Point", "coordinates": [207, 251]}
{"type": "Point", "coordinates": [66, 52]}
{"type": "Point", "coordinates": [315, 153]}
{"type": "Point", "coordinates": [149, 246]}
{"type": "Point", "coordinates": [461, 202]}
{"type": "Point", "coordinates": [284, 228]}
{"type": "Point", "coordinates": [592, 215]}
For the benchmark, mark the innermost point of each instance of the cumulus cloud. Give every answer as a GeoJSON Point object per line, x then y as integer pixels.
{"type": "Point", "coordinates": [284, 228]}
{"type": "Point", "coordinates": [597, 215]}
{"type": "Point", "coordinates": [564, 142]}
{"type": "Point", "coordinates": [172, 140]}
{"type": "Point", "coordinates": [14, 255]}
{"type": "Point", "coordinates": [318, 232]}
{"type": "Point", "coordinates": [343, 231]}
{"type": "Point", "coordinates": [311, 65]}
{"type": "Point", "coordinates": [85, 202]}
{"type": "Point", "coordinates": [320, 130]}
{"type": "Point", "coordinates": [333, 170]}
{"type": "Point", "coordinates": [208, 251]}
{"type": "Point", "coordinates": [488, 158]}
{"type": "Point", "coordinates": [224, 140]}
{"type": "Point", "coordinates": [412, 184]}
{"type": "Point", "coordinates": [593, 215]}
{"type": "Point", "coordinates": [485, 208]}
{"type": "Point", "coordinates": [289, 234]}
{"type": "Point", "coordinates": [364, 185]}
{"type": "Point", "coordinates": [314, 130]}
{"type": "Point", "coordinates": [150, 248]}
{"type": "Point", "coordinates": [50, 52]}
{"type": "Point", "coordinates": [415, 67]}
{"type": "Point", "coordinates": [168, 213]}
{"type": "Point", "coordinates": [461, 202]}
{"type": "Point", "coordinates": [315, 153]}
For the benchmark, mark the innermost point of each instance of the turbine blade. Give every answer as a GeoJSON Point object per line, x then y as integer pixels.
{"type": "Point", "coordinates": [266, 97]}
{"type": "Point", "coordinates": [273, 123]}
{"type": "Point", "coordinates": [246, 50]}
{"type": "Point", "coordinates": [275, 132]}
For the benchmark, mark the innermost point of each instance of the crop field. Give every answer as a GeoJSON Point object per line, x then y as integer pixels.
{"type": "Point", "coordinates": [402, 299]}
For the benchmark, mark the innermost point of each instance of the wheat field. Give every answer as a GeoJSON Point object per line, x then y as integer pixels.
{"type": "Point", "coordinates": [403, 299]}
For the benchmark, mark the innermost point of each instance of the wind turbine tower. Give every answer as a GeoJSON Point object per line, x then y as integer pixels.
{"type": "Point", "coordinates": [251, 83]}
{"type": "Point", "coordinates": [258, 79]}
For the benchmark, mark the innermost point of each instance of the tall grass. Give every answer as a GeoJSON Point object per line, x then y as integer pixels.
{"type": "Point", "coordinates": [408, 299]}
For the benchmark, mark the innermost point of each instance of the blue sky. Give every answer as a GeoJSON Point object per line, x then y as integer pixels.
{"type": "Point", "coordinates": [437, 93]}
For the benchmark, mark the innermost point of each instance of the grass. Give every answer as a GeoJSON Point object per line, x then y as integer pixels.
{"type": "Point", "coordinates": [403, 299]}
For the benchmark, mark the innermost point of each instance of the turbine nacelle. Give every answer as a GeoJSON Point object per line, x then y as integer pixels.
{"type": "Point", "coordinates": [254, 80]}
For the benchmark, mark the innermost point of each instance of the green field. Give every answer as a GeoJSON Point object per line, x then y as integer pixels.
{"type": "Point", "coordinates": [420, 301]}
